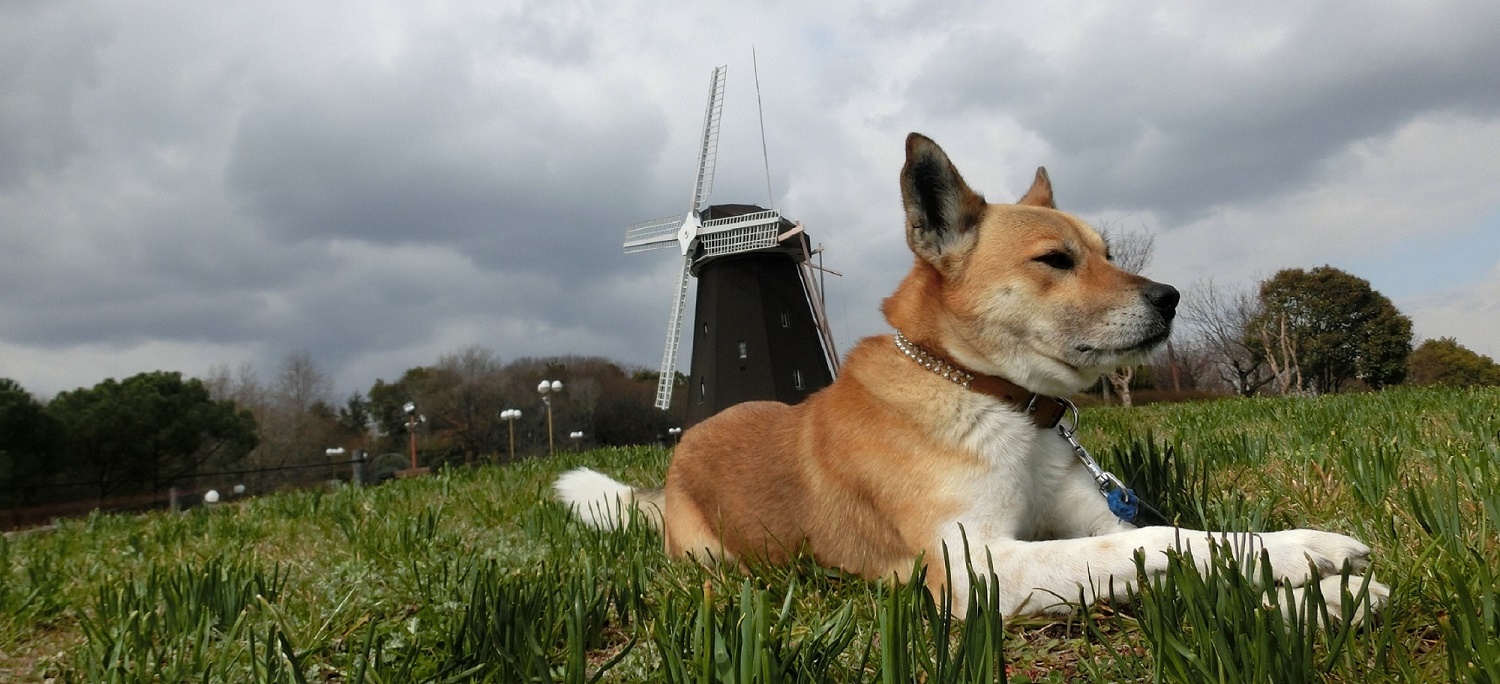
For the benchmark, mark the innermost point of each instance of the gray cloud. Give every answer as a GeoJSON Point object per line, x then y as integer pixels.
{"type": "Point", "coordinates": [51, 55]}
{"type": "Point", "coordinates": [382, 184]}
{"type": "Point", "coordinates": [515, 179]}
{"type": "Point", "coordinates": [1163, 110]}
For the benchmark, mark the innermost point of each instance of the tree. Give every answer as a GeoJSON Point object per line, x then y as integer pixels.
{"type": "Point", "coordinates": [354, 419]}
{"type": "Point", "coordinates": [241, 386]}
{"type": "Point", "coordinates": [420, 385]}
{"type": "Point", "coordinates": [1279, 350]}
{"type": "Point", "coordinates": [301, 423]}
{"type": "Point", "coordinates": [1187, 367]}
{"type": "Point", "coordinates": [1444, 361]}
{"type": "Point", "coordinates": [1219, 319]}
{"type": "Point", "coordinates": [297, 422]}
{"type": "Point", "coordinates": [148, 432]}
{"type": "Point", "coordinates": [463, 395]}
{"type": "Point", "coordinates": [1131, 251]}
{"type": "Point", "coordinates": [470, 402]}
{"type": "Point", "coordinates": [1335, 326]}
{"type": "Point", "coordinates": [28, 437]}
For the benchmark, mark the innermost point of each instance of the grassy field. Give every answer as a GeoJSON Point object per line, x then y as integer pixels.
{"type": "Point", "coordinates": [474, 575]}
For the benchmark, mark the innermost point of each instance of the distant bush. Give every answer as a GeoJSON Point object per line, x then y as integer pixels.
{"type": "Point", "coordinates": [1444, 361]}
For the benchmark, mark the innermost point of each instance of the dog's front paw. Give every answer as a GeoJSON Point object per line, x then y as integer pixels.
{"type": "Point", "coordinates": [1339, 600]}
{"type": "Point", "coordinates": [1337, 596]}
{"type": "Point", "coordinates": [1296, 555]}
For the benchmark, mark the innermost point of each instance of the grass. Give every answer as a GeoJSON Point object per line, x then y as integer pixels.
{"type": "Point", "coordinates": [474, 576]}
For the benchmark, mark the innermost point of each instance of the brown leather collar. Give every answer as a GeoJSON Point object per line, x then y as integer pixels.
{"type": "Point", "coordinates": [1044, 412]}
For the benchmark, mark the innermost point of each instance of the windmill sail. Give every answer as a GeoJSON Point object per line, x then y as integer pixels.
{"type": "Point", "coordinates": [653, 234]}
{"type": "Point", "coordinates": [684, 232]}
{"type": "Point", "coordinates": [674, 336]}
{"type": "Point", "coordinates": [708, 153]}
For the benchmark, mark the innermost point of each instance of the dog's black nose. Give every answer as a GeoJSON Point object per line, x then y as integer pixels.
{"type": "Point", "coordinates": [1163, 298]}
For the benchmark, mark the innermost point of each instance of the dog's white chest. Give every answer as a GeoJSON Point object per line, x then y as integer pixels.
{"type": "Point", "coordinates": [1009, 489]}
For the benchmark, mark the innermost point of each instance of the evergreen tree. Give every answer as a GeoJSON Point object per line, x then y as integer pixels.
{"type": "Point", "coordinates": [1338, 326]}
{"type": "Point", "coordinates": [1444, 361]}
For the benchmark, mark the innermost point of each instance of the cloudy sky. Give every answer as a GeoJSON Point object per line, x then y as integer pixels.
{"type": "Point", "coordinates": [376, 183]}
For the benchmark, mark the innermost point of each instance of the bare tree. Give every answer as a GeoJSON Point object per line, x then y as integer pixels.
{"type": "Point", "coordinates": [1131, 250]}
{"type": "Point", "coordinates": [471, 401]}
{"type": "Point", "coordinates": [1187, 365]}
{"type": "Point", "coordinates": [297, 422]}
{"type": "Point", "coordinates": [242, 386]}
{"type": "Point", "coordinates": [301, 386]}
{"type": "Point", "coordinates": [1219, 319]}
{"type": "Point", "coordinates": [1281, 354]}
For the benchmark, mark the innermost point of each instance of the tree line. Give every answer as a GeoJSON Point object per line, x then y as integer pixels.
{"type": "Point", "coordinates": [1306, 332]}
{"type": "Point", "coordinates": [1301, 331]}
{"type": "Point", "coordinates": [126, 439]}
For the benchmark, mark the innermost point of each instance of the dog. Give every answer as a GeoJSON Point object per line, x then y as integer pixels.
{"type": "Point", "coordinates": [939, 439]}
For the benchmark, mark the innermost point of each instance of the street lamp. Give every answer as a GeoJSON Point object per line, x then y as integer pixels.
{"type": "Point", "coordinates": [510, 416]}
{"type": "Point", "coordinates": [357, 473]}
{"type": "Point", "coordinates": [575, 435]}
{"type": "Point", "coordinates": [676, 433]}
{"type": "Point", "coordinates": [546, 387]}
{"type": "Point", "coordinates": [412, 421]}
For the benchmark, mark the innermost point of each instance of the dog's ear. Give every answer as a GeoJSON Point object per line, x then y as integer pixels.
{"type": "Point", "coordinates": [941, 210]}
{"type": "Point", "coordinates": [1040, 194]}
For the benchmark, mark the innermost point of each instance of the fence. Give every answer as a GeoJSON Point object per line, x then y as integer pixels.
{"type": "Point", "coordinates": [42, 514]}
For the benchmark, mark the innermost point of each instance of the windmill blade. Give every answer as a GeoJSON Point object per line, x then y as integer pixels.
{"type": "Point", "coordinates": [708, 153]}
{"type": "Point", "coordinates": [653, 234]}
{"type": "Point", "coordinates": [674, 335]}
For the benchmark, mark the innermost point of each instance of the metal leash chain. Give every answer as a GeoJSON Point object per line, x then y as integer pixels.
{"type": "Point", "coordinates": [1121, 499]}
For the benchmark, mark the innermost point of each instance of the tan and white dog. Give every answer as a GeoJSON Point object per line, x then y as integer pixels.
{"type": "Point", "coordinates": [927, 438]}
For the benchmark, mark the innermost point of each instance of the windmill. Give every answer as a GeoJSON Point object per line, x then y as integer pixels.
{"type": "Point", "coordinates": [759, 327]}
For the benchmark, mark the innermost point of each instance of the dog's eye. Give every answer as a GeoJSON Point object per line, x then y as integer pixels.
{"type": "Point", "coordinates": [1058, 260]}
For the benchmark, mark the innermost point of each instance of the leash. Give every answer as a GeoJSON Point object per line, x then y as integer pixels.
{"type": "Point", "coordinates": [1122, 500]}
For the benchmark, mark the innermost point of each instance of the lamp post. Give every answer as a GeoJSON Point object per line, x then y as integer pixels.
{"type": "Point", "coordinates": [510, 416]}
{"type": "Point", "coordinates": [357, 474]}
{"type": "Point", "coordinates": [676, 433]}
{"type": "Point", "coordinates": [576, 436]}
{"type": "Point", "coordinates": [412, 421]}
{"type": "Point", "coordinates": [546, 387]}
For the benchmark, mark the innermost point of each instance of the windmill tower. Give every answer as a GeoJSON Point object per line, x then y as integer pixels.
{"type": "Point", "coordinates": [759, 328]}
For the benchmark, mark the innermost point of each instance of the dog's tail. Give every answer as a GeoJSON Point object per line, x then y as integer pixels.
{"type": "Point", "coordinates": [605, 503]}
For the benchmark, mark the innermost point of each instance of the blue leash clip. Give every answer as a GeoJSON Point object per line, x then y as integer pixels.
{"type": "Point", "coordinates": [1122, 501]}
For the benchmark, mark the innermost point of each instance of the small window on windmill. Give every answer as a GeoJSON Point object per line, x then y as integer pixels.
{"type": "Point", "coordinates": [702, 391]}
{"type": "Point", "coordinates": [744, 350]}
{"type": "Point", "coordinates": [705, 330]}
{"type": "Point", "coordinates": [797, 379]}
{"type": "Point", "coordinates": [786, 320]}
